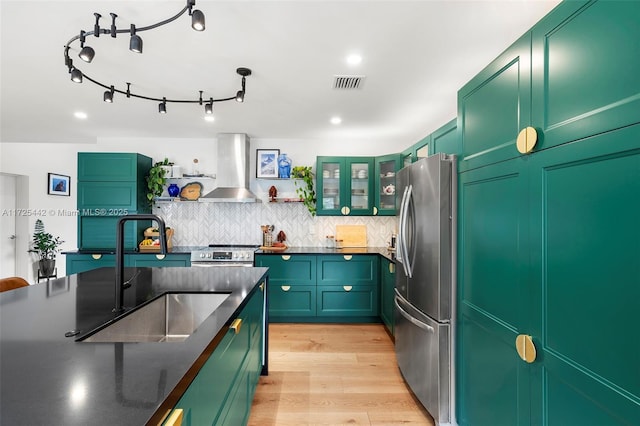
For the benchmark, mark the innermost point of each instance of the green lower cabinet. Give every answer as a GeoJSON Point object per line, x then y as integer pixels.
{"type": "Point", "coordinates": [222, 391]}
{"type": "Point", "coordinates": [158, 260]}
{"type": "Point", "coordinates": [76, 263]}
{"type": "Point", "coordinates": [287, 301]}
{"type": "Point", "coordinates": [387, 287]}
{"type": "Point", "coordinates": [347, 301]}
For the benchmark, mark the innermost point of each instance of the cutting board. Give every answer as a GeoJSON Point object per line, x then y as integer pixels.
{"type": "Point", "coordinates": [352, 235]}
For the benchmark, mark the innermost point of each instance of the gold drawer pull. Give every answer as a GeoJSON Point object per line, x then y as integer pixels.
{"type": "Point", "coordinates": [392, 268]}
{"type": "Point", "coordinates": [347, 257]}
{"type": "Point", "coordinates": [175, 419]}
{"type": "Point", "coordinates": [286, 257]}
{"type": "Point", "coordinates": [347, 287]}
{"type": "Point", "coordinates": [96, 256]}
{"type": "Point", "coordinates": [375, 211]}
{"type": "Point", "coordinates": [527, 139]}
{"type": "Point", "coordinates": [525, 347]}
{"type": "Point", "coordinates": [285, 287]}
{"type": "Point", "coordinates": [262, 286]}
{"type": "Point", "coordinates": [160, 256]}
{"type": "Point", "coordinates": [236, 324]}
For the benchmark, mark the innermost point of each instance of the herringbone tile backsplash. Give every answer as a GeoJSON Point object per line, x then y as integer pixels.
{"type": "Point", "coordinates": [200, 224]}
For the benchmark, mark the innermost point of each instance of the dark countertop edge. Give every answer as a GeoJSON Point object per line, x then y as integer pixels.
{"type": "Point", "coordinates": [172, 250]}
{"type": "Point", "coordinates": [382, 251]}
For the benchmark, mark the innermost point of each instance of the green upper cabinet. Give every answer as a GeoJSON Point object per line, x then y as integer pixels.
{"type": "Point", "coordinates": [345, 186]}
{"type": "Point", "coordinates": [386, 168]}
{"type": "Point", "coordinates": [585, 78]}
{"type": "Point", "coordinates": [112, 166]}
{"type": "Point", "coordinates": [446, 139]}
{"type": "Point", "coordinates": [494, 106]}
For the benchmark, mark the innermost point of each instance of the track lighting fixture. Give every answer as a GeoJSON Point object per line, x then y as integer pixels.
{"type": "Point", "coordinates": [108, 95]}
{"type": "Point", "coordinates": [135, 44]}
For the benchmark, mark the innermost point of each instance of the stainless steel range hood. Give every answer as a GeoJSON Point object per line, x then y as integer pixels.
{"type": "Point", "coordinates": [232, 176]}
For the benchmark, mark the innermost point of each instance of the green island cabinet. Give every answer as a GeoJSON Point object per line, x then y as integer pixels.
{"type": "Point", "coordinates": [320, 288]}
{"type": "Point", "coordinates": [81, 262]}
{"type": "Point", "coordinates": [223, 390]}
{"type": "Point", "coordinates": [110, 185]}
{"type": "Point", "coordinates": [547, 286]}
{"type": "Point", "coordinates": [387, 293]}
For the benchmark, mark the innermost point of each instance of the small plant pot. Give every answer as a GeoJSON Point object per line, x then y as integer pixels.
{"type": "Point", "coordinates": [47, 266]}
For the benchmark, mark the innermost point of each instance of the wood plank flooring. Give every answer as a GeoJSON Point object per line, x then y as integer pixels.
{"type": "Point", "coordinates": [333, 374]}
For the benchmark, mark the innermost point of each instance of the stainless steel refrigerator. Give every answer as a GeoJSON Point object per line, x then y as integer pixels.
{"type": "Point", "coordinates": [425, 277]}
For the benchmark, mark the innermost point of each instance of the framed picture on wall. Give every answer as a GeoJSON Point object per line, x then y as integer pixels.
{"type": "Point", "coordinates": [267, 163]}
{"type": "Point", "coordinates": [58, 184]}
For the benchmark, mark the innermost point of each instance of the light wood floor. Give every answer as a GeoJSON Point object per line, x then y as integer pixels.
{"type": "Point", "coordinates": [326, 374]}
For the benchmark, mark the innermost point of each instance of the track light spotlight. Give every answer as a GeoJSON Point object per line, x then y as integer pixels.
{"type": "Point", "coordinates": [76, 75]}
{"type": "Point", "coordinates": [108, 95]}
{"type": "Point", "coordinates": [162, 107]}
{"type": "Point", "coordinates": [113, 29]}
{"type": "Point", "coordinates": [135, 44]}
{"type": "Point", "coordinates": [96, 27]}
{"type": "Point", "coordinates": [208, 108]}
{"type": "Point", "coordinates": [197, 20]}
{"type": "Point", "coordinates": [240, 96]}
{"type": "Point", "coordinates": [86, 53]}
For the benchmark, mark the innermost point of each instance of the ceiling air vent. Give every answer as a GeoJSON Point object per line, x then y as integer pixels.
{"type": "Point", "coordinates": [345, 82]}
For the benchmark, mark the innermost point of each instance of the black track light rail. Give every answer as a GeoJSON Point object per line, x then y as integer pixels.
{"type": "Point", "coordinates": [244, 72]}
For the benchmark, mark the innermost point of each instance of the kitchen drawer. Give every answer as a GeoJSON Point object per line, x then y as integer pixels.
{"type": "Point", "coordinates": [348, 270]}
{"type": "Point", "coordinates": [117, 198]}
{"type": "Point", "coordinates": [347, 300]}
{"type": "Point", "coordinates": [76, 263]}
{"type": "Point", "coordinates": [112, 166]}
{"type": "Point", "coordinates": [158, 260]}
{"type": "Point", "coordinates": [291, 301]}
{"type": "Point", "coordinates": [289, 269]}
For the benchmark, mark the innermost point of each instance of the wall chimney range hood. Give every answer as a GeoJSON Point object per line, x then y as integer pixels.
{"type": "Point", "coordinates": [232, 175]}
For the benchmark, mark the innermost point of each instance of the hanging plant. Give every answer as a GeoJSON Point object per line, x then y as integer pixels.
{"type": "Point", "coordinates": [305, 189]}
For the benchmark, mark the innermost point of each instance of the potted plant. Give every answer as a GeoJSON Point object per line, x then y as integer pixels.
{"type": "Point", "coordinates": [157, 179]}
{"type": "Point", "coordinates": [46, 246]}
{"type": "Point", "coordinates": [305, 191]}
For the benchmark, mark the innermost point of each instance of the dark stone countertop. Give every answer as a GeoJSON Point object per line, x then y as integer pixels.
{"type": "Point", "coordinates": [47, 378]}
{"type": "Point", "coordinates": [172, 250]}
{"type": "Point", "coordinates": [382, 251]}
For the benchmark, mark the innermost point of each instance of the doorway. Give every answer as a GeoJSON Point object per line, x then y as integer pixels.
{"type": "Point", "coordinates": [14, 236]}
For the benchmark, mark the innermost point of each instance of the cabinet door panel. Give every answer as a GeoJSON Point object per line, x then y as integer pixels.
{"type": "Point", "coordinates": [446, 139]}
{"type": "Point", "coordinates": [587, 81]}
{"type": "Point", "coordinates": [587, 268]}
{"type": "Point", "coordinates": [99, 232]}
{"type": "Point", "coordinates": [112, 166]}
{"type": "Point", "coordinates": [108, 195]}
{"type": "Point", "coordinates": [494, 107]}
{"type": "Point", "coordinates": [352, 301]}
{"type": "Point", "coordinates": [295, 270]}
{"type": "Point", "coordinates": [150, 260]}
{"type": "Point", "coordinates": [335, 270]}
{"type": "Point", "coordinates": [76, 263]}
{"type": "Point", "coordinates": [291, 301]}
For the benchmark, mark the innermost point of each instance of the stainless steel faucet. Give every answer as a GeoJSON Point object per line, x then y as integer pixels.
{"type": "Point", "coordinates": [120, 251]}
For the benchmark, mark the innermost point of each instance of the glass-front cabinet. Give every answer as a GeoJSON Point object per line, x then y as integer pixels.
{"type": "Point", "coordinates": [385, 184]}
{"type": "Point", "coordinates": [345, 186]}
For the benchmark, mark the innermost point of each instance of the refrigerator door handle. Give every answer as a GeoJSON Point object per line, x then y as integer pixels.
{"type": "Point", "coordinates": [411, 319]}
{"type": "Point", "coordinates": [405, 248]}
{"type": "Point", "coordinates": [400, 255]}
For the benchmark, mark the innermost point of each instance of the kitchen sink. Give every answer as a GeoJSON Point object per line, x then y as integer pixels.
{"type": "Point", "coordinates": [172, 317]}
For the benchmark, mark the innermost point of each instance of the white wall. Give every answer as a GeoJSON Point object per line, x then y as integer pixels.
{"type": "Point", "coordinates": [35, 160]}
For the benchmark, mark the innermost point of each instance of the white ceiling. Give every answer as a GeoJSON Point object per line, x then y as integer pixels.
{"type": "Point", "coordinates": [416, 55]}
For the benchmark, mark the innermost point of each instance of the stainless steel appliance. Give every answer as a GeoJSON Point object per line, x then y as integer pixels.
{"type": "Point", "coordinates": [425, 277]}
{"type": "Point", "coordinates": [223, 255]}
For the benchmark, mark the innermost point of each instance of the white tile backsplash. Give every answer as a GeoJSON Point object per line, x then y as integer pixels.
{"type": "Point", "coordinates": [198, 224]}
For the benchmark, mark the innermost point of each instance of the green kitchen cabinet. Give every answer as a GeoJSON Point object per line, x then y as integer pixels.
{"type": "Point", "coordinates": [158, 260]}
{"type": "Point", "coordinates": [387, 293]}
{"type": "Point", "coordinates": [386, 168]}
{"type": "Point", "coordinates": [539, 257]}
{"type": "Point", "coordinates": [345, 186]}
{"type": "Point", "coordinates": [222, 391]}
{"type": "Point", "coordinates": [446, 139]}
{"type": "Point", "coordinates": [76, 263]}
{"type": "Point", "coordinates": [110, 185]}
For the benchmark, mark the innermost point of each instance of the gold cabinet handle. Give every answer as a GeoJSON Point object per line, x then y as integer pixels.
{"type": "Point", "coordinates": [160, 256]}
{"type": "Point", "coordinates": [392, 268]}
{"type": "Point", "coordinates": [175, 419]}
{"type": "Point", "coordinates": [96, 256]}
{"type": "Point", "coordinates": [286, 257]}
{"type": "Point", "coordinates": [262, 286]}
{"type": "Point", "coordinates": [285, 287]}
{"type": "Point", "coordinates": [527, 139]}
{"type": "Point", "coordinates": [236, 324]}
{"type": "Point", "coordinates": [525, 347]}
{"type": "Point", "coordinates": [347, 287]}
{"type": "Point", "coordinates": [375, 211]}
{"type": "Point", "coordinates": [345, 210]}
{"type": "Point", "coordinates": [347, 257]}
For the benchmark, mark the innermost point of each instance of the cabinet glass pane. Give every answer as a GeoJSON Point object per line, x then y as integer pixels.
{"type": "Point", "coordinates": [423, 151]}
{"type": "Point", "coordinates": [387, 184]}
{"type": "Point", "coordinates": [331, 186]}
{"type": "Point", "coordinates": [360, 185]}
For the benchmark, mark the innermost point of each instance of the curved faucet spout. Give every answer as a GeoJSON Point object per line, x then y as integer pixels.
{"type": "Point", "coordinates": [119, 284]}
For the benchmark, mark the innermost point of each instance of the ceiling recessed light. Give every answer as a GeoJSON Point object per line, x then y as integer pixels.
{"type": "Point", "coordinates": [354, 59]}
{"type": "Point", "coordinates": [81, 115]}
{"type": "Point", "coordinates": [336, 120]}
{"type": "Point", "coordinates": [209, 118]}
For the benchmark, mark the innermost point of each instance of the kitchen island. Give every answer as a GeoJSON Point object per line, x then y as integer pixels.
{"type": "Point", "coordinates": [48, 378]}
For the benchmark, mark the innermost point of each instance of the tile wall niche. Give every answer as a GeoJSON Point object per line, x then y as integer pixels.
{"type": "Point", "coordinates": [200, 224]}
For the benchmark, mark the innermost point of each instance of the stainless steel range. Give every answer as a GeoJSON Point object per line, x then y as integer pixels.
{"type": "Point", "coordinates": [223, 255]}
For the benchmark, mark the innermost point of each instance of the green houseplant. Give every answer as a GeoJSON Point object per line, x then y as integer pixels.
{"type": "Point", "coordinates": [305, 190]}
{"type": "Point", "coordinates": [157, 179]}
{"type": "Point", "coordinates": [46, 246]}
